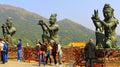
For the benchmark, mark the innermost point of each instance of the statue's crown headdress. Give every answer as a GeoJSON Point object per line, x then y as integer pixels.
{"type": "Point", "coordinates": [107, 7]}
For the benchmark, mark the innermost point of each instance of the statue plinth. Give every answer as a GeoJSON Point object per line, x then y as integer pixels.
{"type": "Point", "coordinates": [108, 57]}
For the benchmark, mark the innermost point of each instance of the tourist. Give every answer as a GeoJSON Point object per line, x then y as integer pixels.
{"type": "Point", "coordinates": [5, 50]}
{"type": "Point", "coordinates": [89, 53]}
{"type": "Point", "coordinates": [59, 51]}
{"type": "Point", "coordinates": [42, 54]}
{"type": "Point", "coordinates": [54, 52]}
{"type": "Point", "coordinates": [19, 51]}
{"type": "Point", "coordinates": [48, 52]}
{"type": "Point", "coordinates": [1, 49]}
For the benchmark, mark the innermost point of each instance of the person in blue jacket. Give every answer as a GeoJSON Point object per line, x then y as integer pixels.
{"type": "Point", "coordinates": [19, 51]}
{"type": "Point", "coordinates": [5, 51]}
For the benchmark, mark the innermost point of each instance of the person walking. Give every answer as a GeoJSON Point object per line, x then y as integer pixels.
{"type": "Point", "coordinates": [89, 53]}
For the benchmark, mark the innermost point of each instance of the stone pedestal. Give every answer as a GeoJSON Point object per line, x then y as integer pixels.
{"type": "Point", "coordinates": [108, 57]}
{"type": "Point", "coordinates": [12, 52]}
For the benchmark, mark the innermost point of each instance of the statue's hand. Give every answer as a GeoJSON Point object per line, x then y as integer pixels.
{"type": "Point", "coordinates": [95, 16]}
{"type": "Point", "coordinates": [95, 19]}
{"type": "Point", "coordinates": [15, 45]}
{"type": "Point", "coordinates": [98, 19]}
{"type": "Point", "coordinates": [40, 22]}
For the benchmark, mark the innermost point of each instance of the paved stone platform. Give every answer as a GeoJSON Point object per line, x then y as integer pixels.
{"type": "Point", "coordinates": [15, 63]}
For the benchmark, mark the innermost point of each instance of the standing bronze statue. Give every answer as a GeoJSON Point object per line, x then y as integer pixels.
{"type": "Point", "coordinates": [50, 32]}
{"type": "Point", "coordinates": [9, 31]}
{"type": "Point", "coordinates": [105, 29]}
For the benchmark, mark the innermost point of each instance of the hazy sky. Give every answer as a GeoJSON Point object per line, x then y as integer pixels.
{"type": "Point", "coordinates": [79, 11]}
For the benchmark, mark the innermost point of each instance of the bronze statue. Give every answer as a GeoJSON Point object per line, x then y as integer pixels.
{"type": "Point", "coordinates": [9, 31]}
{"type": "Point", "coordinates": [105, 29]}
{"type": "Point", "coordinates": [50, 32]}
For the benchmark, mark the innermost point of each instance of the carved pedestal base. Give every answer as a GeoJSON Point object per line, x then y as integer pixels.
{"type": "Point", "coordinates": [108, 57]}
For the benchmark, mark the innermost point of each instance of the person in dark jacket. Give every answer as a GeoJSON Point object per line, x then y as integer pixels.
{"type": "Point", "coordinates": [54, 52]}
{"type": "Point", "coordinates": [89, 53]}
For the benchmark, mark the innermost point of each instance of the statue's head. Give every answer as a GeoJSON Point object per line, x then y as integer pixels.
{"type": "Point", "coordinates": [91, 40]}
{"type": "Point", "coordinates": [52, 18]}
{"type": "Point", "coordinates": [9, 18]}
{"type": "Point", "coordinates": [108, 11]}
{"type": "Point", "coordinates": [9, 22]}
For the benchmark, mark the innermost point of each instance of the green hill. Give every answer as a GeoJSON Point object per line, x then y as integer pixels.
{"type": "Point", "coordinates": [71, 32]}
